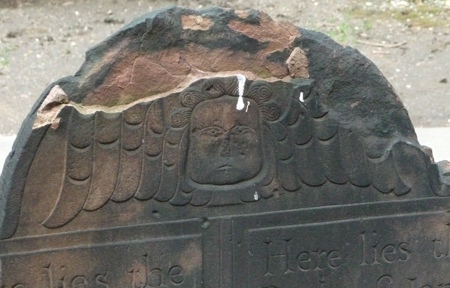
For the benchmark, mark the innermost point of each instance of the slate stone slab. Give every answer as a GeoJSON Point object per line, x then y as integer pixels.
{"type": "Point", "coordinates": [218, 148]}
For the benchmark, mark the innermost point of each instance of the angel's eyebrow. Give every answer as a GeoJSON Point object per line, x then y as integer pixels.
{"type": "Point", "coordinates": [245, 122]}
{"type": "Point", "coordinates": [209, 124]}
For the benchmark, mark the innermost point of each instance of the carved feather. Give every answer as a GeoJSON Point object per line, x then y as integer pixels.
{"type": "Point", "coordinates": [106, 158]}
{"type": "Point", "coordinates": [151, 171]}
{"type": "Point", "coordinates": [78, 174]}
{"type": "Point", "coordinates": [131, 153]}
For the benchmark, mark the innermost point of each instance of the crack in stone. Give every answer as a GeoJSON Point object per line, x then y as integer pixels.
{"type": "Point", "coordinates": [141, 40]}
{"type": "Point", "coordinates": [47, 116]}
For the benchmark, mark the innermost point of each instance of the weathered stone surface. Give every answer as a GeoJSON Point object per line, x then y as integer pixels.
{"type": "Point", "coordinates": [218, 148]}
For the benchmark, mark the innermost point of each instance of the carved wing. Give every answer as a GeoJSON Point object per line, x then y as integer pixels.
{"type": "Point", "coordinates": [116, 156]}
{"type": "Point", "coordinates": [313, 149]}
{"type": "Point", "coordinates": [139, 153]}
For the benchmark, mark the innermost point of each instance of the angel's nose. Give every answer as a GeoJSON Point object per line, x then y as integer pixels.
{"type": "Point", "coordinates": [225, 147]}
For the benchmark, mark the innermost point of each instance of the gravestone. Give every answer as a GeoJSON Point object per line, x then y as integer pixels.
{"type": "Point", "coordinates": [218, 148]}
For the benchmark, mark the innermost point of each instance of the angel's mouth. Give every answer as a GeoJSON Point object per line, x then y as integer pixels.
{"type": "Point", "coordinates": [225, 167]}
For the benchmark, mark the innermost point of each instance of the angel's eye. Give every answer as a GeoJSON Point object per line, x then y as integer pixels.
{"type": "Point", "coordinates": [213, 131]}
{"type": "Point", "coordinates": [242, 130]}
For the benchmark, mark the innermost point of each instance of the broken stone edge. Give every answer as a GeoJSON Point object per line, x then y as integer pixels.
{"type": "Point", "coordinates": [326, 59]}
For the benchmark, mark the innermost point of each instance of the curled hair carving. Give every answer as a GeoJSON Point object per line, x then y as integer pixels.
{"type": "Point", "coordinates": [214, 88]}
{"type": "Point", "coordinates": [180, 118]}
{"type": "Point", "coordinates": [260, 92]}
{"type": "Point", "coordinates": [270, 111]}
{"type": "Point", "coordinates": [191, 97]}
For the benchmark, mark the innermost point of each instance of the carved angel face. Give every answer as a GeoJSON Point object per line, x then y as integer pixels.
{"type": "Point", "coordinates": [225, 143]}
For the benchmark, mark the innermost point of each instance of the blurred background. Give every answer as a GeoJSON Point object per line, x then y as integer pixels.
{"type": "Point", "coordinates": [409, 40]}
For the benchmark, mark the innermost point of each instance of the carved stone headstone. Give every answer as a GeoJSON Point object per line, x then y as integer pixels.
{"type": "Point", "coordinates": [218, 148]}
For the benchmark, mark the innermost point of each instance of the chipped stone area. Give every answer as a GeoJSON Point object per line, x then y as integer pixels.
{"type": "Point", "coordinates": [277, 35]}
{"type": "Point", "coordinates": [49, 116]}
{"type": "Point", "coordinates": [151, 77]}
{"type": "Point", "coordinates": [140, 74]}
{"type": "Point", "coordinates": [50, 108]}
{"type": "Point", "coordinates": [160, 72]}
{"type": "Point", "coordinates": [196, 22]}
{"type": "Point", "coordinates": [297, 64]}
{"type": "Point", "coordinates": [242, 13]}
